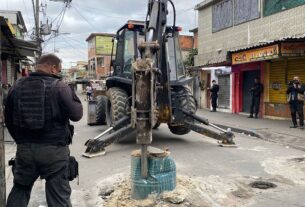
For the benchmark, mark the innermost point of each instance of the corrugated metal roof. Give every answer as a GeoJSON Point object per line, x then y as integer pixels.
{"type": "Point", "coordinates": [268, 42]}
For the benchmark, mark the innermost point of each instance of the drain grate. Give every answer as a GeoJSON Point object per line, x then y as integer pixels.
{"type": "Point", "coordinates": [262, 185]}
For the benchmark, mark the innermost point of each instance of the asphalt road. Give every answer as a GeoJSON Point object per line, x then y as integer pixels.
{"type": "Point", "coordinates": [225, 173]}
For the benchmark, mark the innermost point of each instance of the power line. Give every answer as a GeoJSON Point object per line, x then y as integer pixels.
{"type": "Point", "coordinates": [61, 11]}
{"type": "Point", "coordinates": [107, 11]}
{"type": "Point", "coordinates": [65, 40]}
{"type": "Point", "coordinates": [60, 21]}
{"type": "Point", "coordinates": [79, 13]}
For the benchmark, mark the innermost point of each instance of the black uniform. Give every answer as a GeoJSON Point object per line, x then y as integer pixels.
{"type": "Point", "coordinates": [256, 92]}
{"type": "Point", "coordinates": [214, 95]}
{"type": "Point", "coordinates": [296, 103]}
{"type": "Point", "coordinates": [37, 116]}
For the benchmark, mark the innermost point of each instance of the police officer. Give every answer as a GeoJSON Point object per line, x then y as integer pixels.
{"type": "Point", "coordinates": [37, 116]}
{"type": "Point", "coordinates": [214, 95]}
{"type": "Point", "coordinates": [295, 94]}
{"type": "Point", "coordinates": [256, 92]}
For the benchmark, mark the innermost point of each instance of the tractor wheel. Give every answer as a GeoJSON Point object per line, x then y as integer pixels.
{"type": "Point", "coordinates": [101, 109]}
{"type": "Point", "coordinates": [187, 102]}
{"type": "Point", "coordinates": [116, 106]}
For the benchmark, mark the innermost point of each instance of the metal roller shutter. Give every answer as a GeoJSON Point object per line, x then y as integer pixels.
{"type": "Point", "coordinates": [296, 68]}
{"type": "Point", "coordinates": [9, 71]}
{"type": "Point", "coordinates": [224, 91]}
{"type": "Point", "coordinates": [277, 77]}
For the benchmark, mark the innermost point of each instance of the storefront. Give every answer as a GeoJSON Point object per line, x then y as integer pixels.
{"type": "Point", "coordinates": [275, 65]}
{"type": "Point", "coordinates": [14, 53]}
{"type": "Point", "coordinates": [223, 77]}
{"type": "Point", "coordinates": [281, 72]}
{"type": "Point", "coordinates": [246, 66]}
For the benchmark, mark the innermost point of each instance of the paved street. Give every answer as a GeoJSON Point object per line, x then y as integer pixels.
{"type": "Point", "coordinates": [165, 58]}
{"type": "Point", "coordinates": [278, 131]}
{"type": "Point", "coordinates": [223, 173]}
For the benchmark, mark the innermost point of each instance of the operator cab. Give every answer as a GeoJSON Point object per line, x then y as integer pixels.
{"type": "Point", "coordinates": [130, 36]}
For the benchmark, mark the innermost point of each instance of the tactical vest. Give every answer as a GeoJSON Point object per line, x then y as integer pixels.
{"type": "Point", "coordinates": [35, 107]}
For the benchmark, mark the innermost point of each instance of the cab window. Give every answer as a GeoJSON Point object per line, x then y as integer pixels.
{"type": "Point", "coordinates": [129, 51]}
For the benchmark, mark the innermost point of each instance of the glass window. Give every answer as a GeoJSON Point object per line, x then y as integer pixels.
{"type": "Point", "coordinates": [222, 15]}
{"type": "Point", "coordinates": [100, 62]}
{"type": "Point", "coordinates": [129, 51]}
{"type": "Point", "coordinates": [175, 60]}
{"type": "Point", "coordinates": [180, 64]}
{"type": "Point", "coordinates": [272, 6]}
{"type": "Point", "coordinates": [246, 10]}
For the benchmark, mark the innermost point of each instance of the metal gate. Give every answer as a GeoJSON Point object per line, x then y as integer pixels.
{"type": "Point", "coordinates": [224, 91]}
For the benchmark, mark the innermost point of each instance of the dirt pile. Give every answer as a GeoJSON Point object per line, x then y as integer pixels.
{"type": "Point", "coordinates": [182, 196]}
{"type": "Point", "coordinates": [208, 192]}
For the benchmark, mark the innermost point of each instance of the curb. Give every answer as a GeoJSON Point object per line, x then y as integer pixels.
{"type": "Point", "coordinates": [260, 136]}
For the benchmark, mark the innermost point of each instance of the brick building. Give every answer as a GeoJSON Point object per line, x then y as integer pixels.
{"type": "Point", "coordinates": [256, 38]}
{"type": "Point", "coordinates": [186, 44]}
{"type": "Point", "coordinates": [99, 54]}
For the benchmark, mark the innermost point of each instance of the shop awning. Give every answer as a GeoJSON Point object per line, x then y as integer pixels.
{"type": "Point", "coordinates": [294, 38]}
{"type": "Point", "coordinates": [13, 45]}
{"type": "Point", "coordinates": [216, 68]}
{"type": "Point", "coordinates": [25, 48]}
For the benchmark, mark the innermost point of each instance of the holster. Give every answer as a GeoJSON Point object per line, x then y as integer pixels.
{"type": "Point", "coordinates": [12, 162]}
{"type": "Point", "coordinates": [70, 133]}
{"type": "Point", "coordinates": [72, 168]}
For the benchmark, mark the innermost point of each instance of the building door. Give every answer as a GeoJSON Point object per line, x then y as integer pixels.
{"type": "Point", "coordinates": [208, 98]}
{"type": "Point", "coordinates": [248, 81]}
{"type": "Point", "coordinates": [224, 91]}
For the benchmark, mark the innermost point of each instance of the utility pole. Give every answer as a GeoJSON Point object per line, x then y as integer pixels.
{"type": "Point", "coordinates": [2, 151]}
{"type": "Point", "coordinates": [38, 36]}
{"type": "Point", "coordinates": [37, 28]}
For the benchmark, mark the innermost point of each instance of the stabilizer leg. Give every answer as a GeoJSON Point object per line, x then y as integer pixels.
{"type": "Point", "coordinates": [96, 146]}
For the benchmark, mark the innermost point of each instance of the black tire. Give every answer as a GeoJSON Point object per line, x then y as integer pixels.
{"type": "Point", "coordinates": [116, 106]}
{"type": "Point", "coordinates": [101, 109]}
{"type": "Point", "coordinates": [187, 102]}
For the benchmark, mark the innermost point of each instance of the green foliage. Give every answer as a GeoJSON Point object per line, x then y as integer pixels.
{"type": "Point", "coordinates": [190, 58]}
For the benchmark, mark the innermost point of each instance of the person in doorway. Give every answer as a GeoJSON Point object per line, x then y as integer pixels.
{"type": "Point", "coordinates": [256, 92]}
{"type": "Point", "coordinates": [37, 116]}
{"type": "Point", "coordinates": [89, 91]}
{"type": "Point", "coordinates": [295, 94]}
{"type": "Point", "coordinates": [214, 95]}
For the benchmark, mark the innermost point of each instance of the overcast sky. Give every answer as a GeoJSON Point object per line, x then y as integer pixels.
{"type": "Point", "coordinates": [86, 16]}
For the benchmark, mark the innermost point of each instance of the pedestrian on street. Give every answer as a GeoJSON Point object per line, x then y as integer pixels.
{"type": "Point", "coordinates": [256, 92]}
{"type": "Point", "coordinates": [89, 91]}
{"type": "Point", "coordinates": [295, 94]}
{"type": "Point", "coordinates": [214, 95]}
{"type": "Point", "coordinates": [37, 116]}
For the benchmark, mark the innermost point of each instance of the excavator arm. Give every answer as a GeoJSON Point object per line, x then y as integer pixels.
{"type": "Point", "coordinates": [150, 74]}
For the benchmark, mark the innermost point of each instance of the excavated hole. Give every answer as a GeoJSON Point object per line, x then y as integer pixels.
{"type": "Point", "coordinates": [262, 185]}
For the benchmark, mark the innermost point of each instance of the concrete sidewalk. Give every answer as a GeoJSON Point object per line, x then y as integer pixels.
{"type": "Point", "coordinates": [271, 130]}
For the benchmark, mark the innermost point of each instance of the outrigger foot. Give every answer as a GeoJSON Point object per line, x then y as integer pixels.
{"type": "Point", "coordinates": [96, 154]}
